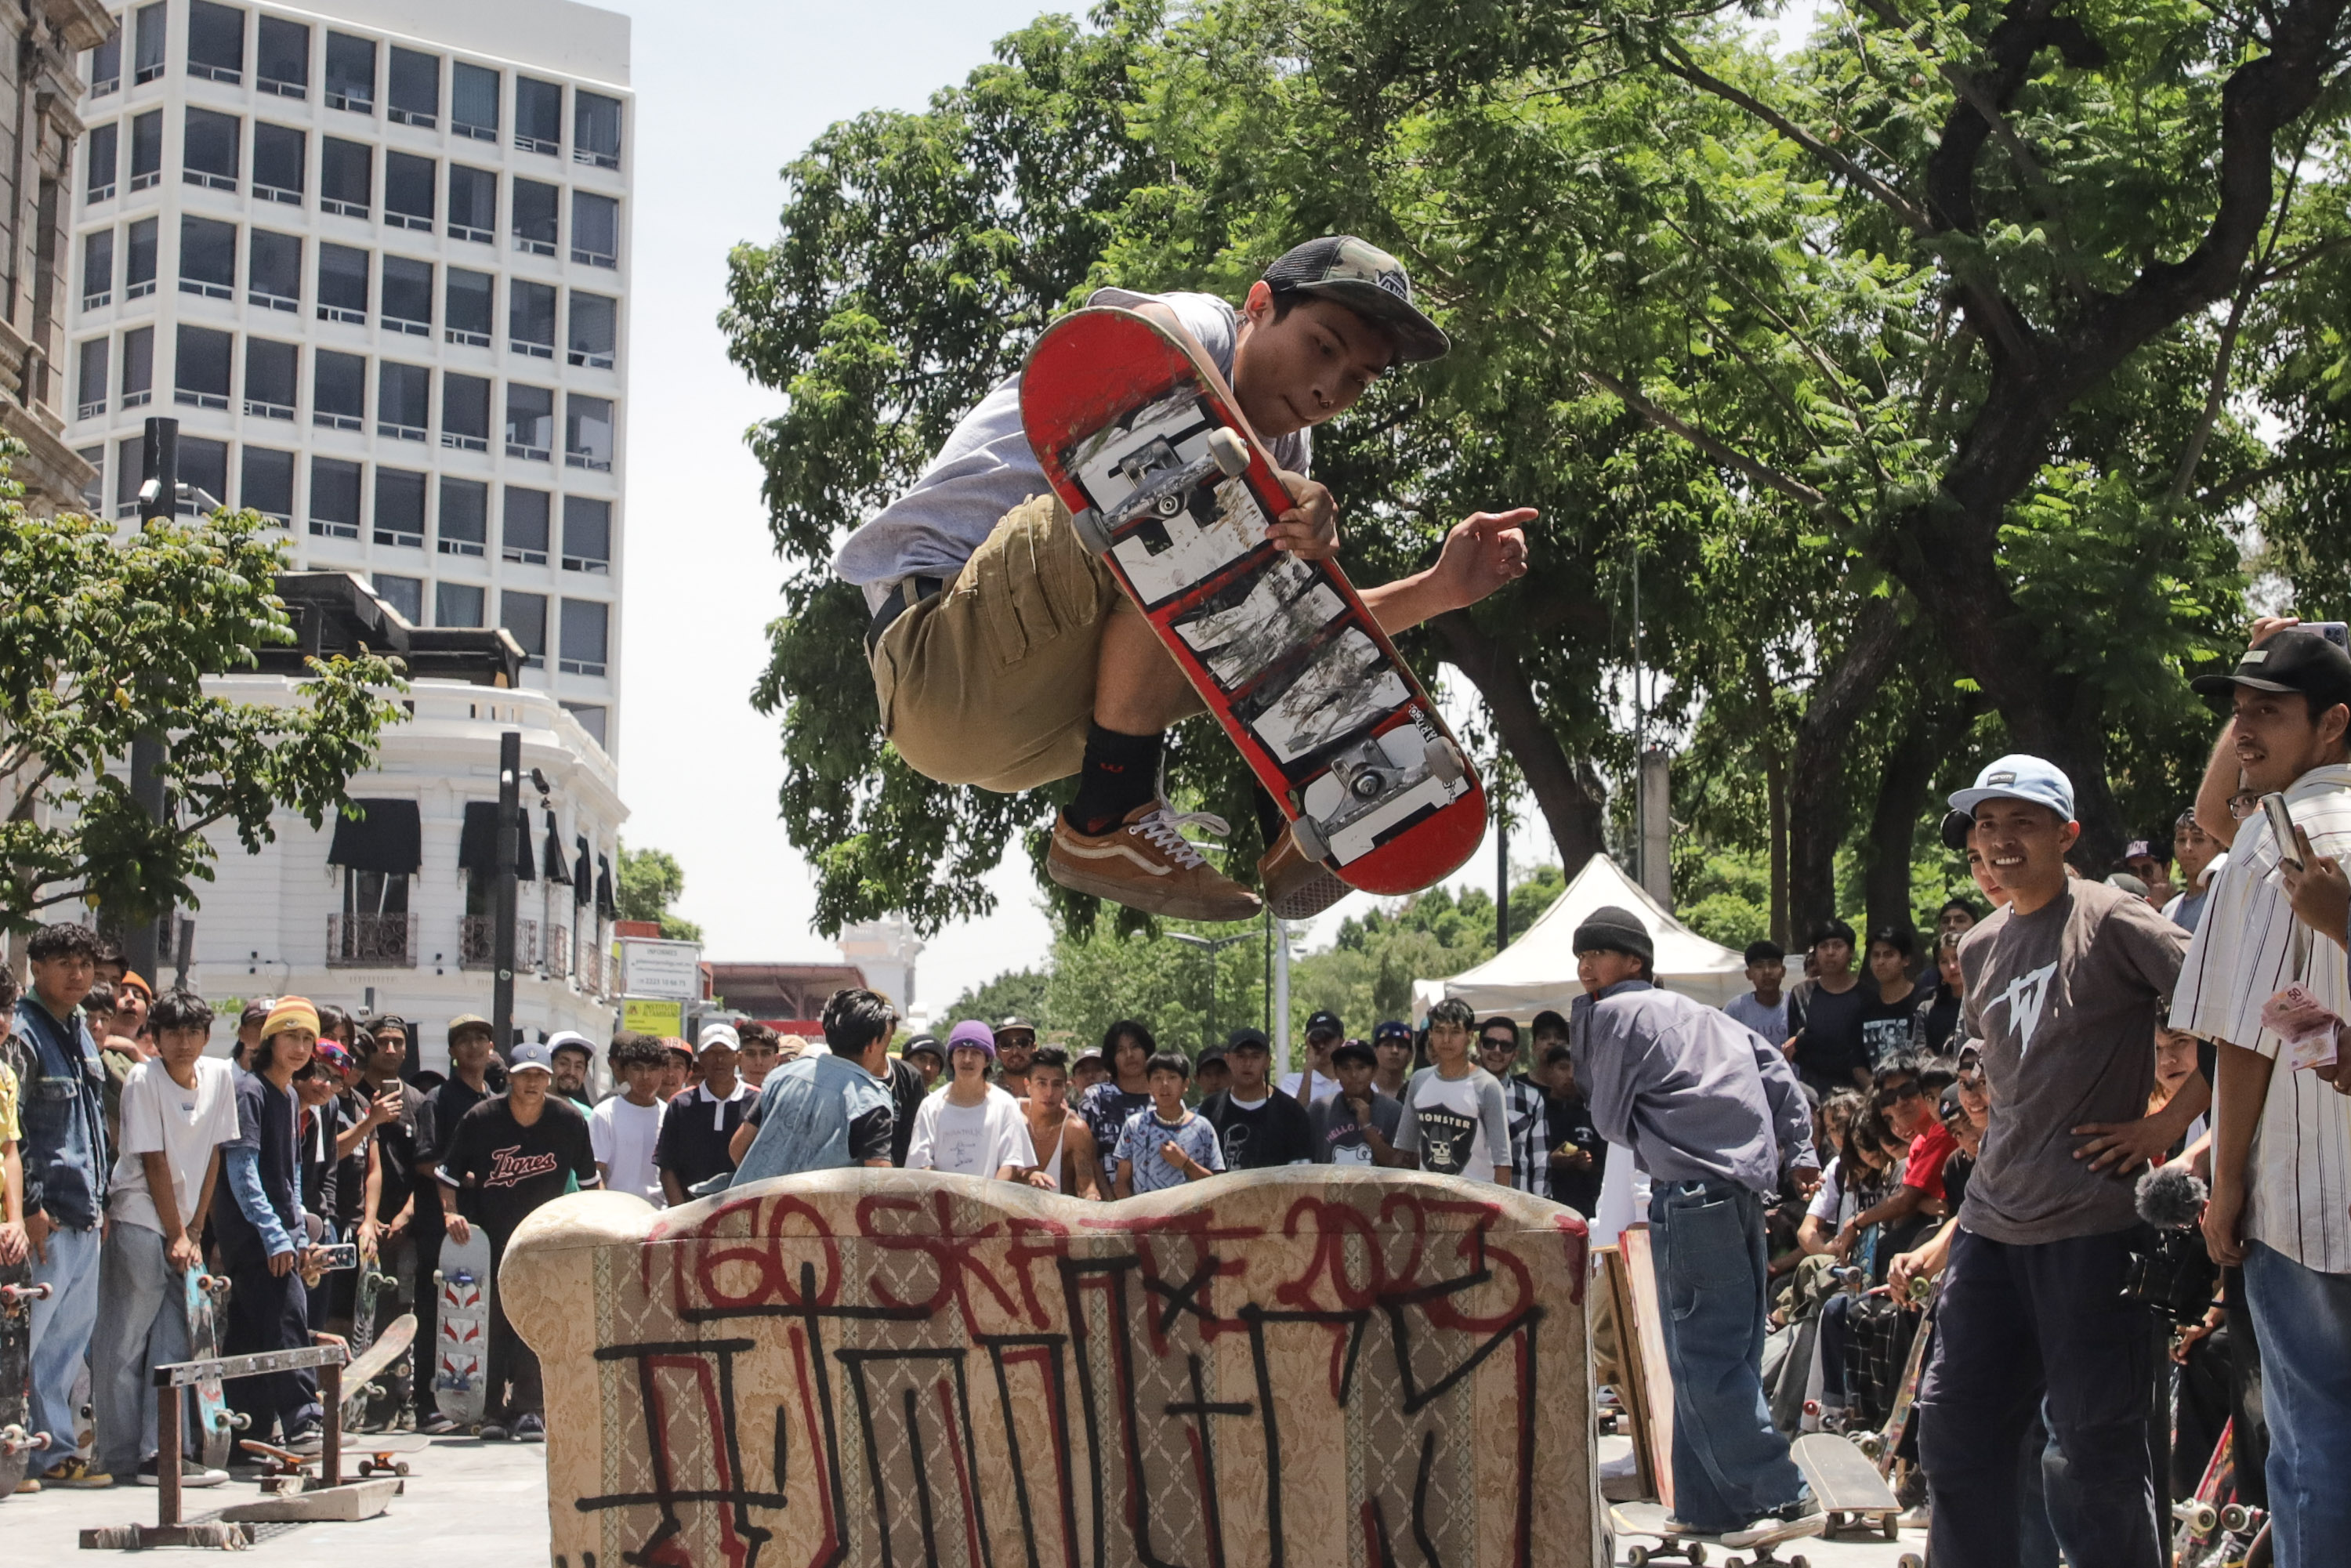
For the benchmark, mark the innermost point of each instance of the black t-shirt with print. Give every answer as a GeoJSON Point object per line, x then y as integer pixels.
{"type": "Point", "coordinates": [503, 1171]}
{"type": "Point", "coordinates": [1569, 1121]}
{"type": "Point", "coordinates": [1275, 1132]}
{"type": "Point", "coordinates": [1886, 1026]}
{"type": "Point", "coordinates": [1827, 1028]}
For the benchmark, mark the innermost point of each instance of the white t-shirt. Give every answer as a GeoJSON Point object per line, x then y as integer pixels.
{"type": "Point", "coordinates": [1458, 1126]}
{"type": "Point", "coordinates": [624, 1136]}
{"type": "Point", "coordinates": [1831, 1204]}
{"type": "Point", "coordinates": [1294, 1085]}
{"type": "Point", "coordinates": [970, 1140]}
{"type": "Point", "coordinates": [184, 1126]}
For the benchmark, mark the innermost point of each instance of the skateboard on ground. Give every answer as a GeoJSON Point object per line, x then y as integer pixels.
{"type": "Point", "coordinates": [17, 1294]}
{"type": "Point", "coordinates": [377, 1452]}
{"type": "Point", "coordinates": [360, 1377]}
{"type": "Point", "coordinates": [461, 1360]}
{"type": "Point", "coordinates": [1164, 484]}
{"type": "Point", "coordinates": [1649, 1519]}
{"type": "Point", "coordinates": [1846, 1486]}
{"type": "Point", "coordinates": [214, 1420]}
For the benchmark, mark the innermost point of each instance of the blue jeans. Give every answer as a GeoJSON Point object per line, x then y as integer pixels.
{"type": "Point", "coordinates": [61, 1329]}
{"type": "Point", "coordinates": [2302, 1319]}
{"type": "Point", "coordinates": [1731, 1464]}
{"type": "Point", "coordinates": [145, 1326]}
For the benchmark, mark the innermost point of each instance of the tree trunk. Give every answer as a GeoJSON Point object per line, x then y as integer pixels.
{"type": "Point", "coordinates": [1816, 804]}
{"type": "Point", "coordinates": [1775, 788]}
{"type": "Point", "coordinates": [1572, 806]}
{"type": "Point", "coordinates": [1893, 825]}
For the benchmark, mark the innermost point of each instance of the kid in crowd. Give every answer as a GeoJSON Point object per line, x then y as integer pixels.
{"type": "Point", "coordinates": [972, 1127]}
{"type": "Point", "coordinates": [1064, 1145]}
{"type": "Point", "coordinates": [1164, 1144]}
{"type": "Point", "coordinates": [626, 1128]}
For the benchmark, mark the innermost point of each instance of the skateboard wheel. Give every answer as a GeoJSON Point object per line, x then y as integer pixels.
{"type": "Point", "coordinates": [1892, 1525]}
{"type": "Point", "coordinates": [1228, 452]}
{"type": "Point", "coordinates": [1697, 1555]}
{"type": "Point", "coordinates": [1798, 1562]}
{"type": "Point", "coordinates": [1309, 839]}
{"type": "Point", "coordinates": [1088, 526]}
{"type": "Point", "coordinates": [400, 1467]}
{"type": "Point", "coordinates": [1638, 1556]}
{"type": "Point", "coordinates": [1910, 1560]}
{"type": "Point", "coordinates": [1445, 761]}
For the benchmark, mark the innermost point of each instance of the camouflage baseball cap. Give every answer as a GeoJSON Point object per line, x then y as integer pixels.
{"type": "Point", "coordinates": [1368, 281]}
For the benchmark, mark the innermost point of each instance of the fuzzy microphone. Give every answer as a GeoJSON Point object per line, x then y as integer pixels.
{"type": "Point", "coordinates": [2170, 1199]}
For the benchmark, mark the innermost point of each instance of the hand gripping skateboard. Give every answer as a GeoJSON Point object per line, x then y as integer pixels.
{"type": "Point", "coordinates": [214, 1420]}
{"type": "Point", "coordinates": [1163, 482]}
{"type": "Point", "coordinates": [17, 1294]}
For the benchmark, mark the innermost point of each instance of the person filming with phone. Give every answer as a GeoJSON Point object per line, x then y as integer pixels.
{"type": "Point", "coordinates": [2276, 918]}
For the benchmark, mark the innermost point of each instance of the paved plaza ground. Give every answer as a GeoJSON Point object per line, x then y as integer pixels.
{"type": "Point", "coordinates": [472, 1504]}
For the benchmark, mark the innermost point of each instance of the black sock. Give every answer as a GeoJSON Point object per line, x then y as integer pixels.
{"type": "Point", "coordinates": [1121, 772]}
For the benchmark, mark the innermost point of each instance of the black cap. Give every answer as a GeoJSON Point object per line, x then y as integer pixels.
{"type": "Point", "coordinates": [1366, 280]}
{"type": "Point", "coordinates": [1249, 1039]}
{"type": "Point", "coordinates": [929, 1042]}
{"type": "Point", "coordinates": [1609, 929]}
{"type": "Point", "coordinates": [1324, 1022]}
{"type": "Point", "coordinates": [2292, 660]}
{"type": "Point", "coordinates": [1548, 1020]}
{"type": "Point", "coordinates": [1215, 1053]}
{"type": "Point", "coordinates": [1354, 1050]}
{"type": "Point", "coordinates": [1391, 1028]}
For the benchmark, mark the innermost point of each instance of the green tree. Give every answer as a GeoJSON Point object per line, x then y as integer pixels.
{"type": "Point", "coordinates": [645, 883]}
{"type": "Point", "coordinates": [1016, 993]}
{"type": "Point", "coordinates": [102, 638]}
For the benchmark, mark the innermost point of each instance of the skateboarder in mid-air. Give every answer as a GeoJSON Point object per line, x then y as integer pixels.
{"type": "Point", "coordinates": [1006, 655]}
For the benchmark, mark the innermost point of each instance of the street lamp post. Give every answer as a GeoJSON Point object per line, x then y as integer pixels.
{"type": "Point", "coordinates": [1212, 945]}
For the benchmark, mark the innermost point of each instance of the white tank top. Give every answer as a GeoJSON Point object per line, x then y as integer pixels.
{"type": "Point", "coordinates": [1052, 1167]}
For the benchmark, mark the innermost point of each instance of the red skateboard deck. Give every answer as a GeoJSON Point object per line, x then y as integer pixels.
{"type": "Point", "coordinates": [1165, 482]}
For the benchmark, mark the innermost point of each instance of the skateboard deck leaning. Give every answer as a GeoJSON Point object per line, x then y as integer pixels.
{"type": "Point", "coordinates": [359, 1376]}
{"type": "Point", "coordinates": [17, 1293]}
{"type": "Point", "coordinates": [461, 1360]}
{"type": "Point", "coordinates": [1845, 1485]}
{"type": "Point", "coordinates": [216, 1422]}
{"type": "Point", "coordinates": [1165, 483]}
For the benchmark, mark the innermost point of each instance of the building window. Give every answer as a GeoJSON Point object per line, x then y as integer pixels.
{"type": "Point", "coordinates": [409, 184]}
{"type": "Point", "coordinates": [539, 115]}
{"type": "Point", "coordinates": [465, 526]}
{"type": "Point", "coordinates": [407, 304]}
{"type": "Point", "coordinates": [524, 616]}
{"type": "Point", "coordinates": [457, 604]}
{"type": "Point", "coordinates": [530, 318]}
{"type": "Point", "coordinates": [268, 484]}
{"type": "Point", "coordinates": [535, 216]}
{"type": "Point", "coordinates": [595, 229]}
{"type": "Point", "coordinates": [338, 390]}
{"type": "Point", "coordinates": [105, 161]}
{"type": "Point", "coordinates": [89, 390]}
{"type": "Point", "coordinates": [106, 65]}
{"type": "Point", "coordinates": [207, 257]}
{"type": "Point", "coordinates": [272, 378]}
{"type": "Point", "coordinates": [351, 73]}
{"type": "Point", "coordinates": [138, 367]}
{"type": "Point", "coordinates": [138, 259]}
{"type": "Point", "coordinates": [216, 41]}
{"type": "Point", "coordinates": [93, 494]}
{"type": "Point", "coordinates": [273, 270]}
{"type": "Point", "coordinates": [586, 630]}
{"type": "Point", "coordinates": [400, 509]}
{"type": "Point", "coordinates": [473, 205]}
{"type": "Point", "coordinates": [200, 370]}
{"type": "Point", "coordinates": [147, 150]}
{"type": "Point", "coordinates": [404, 400]}
{"type": "Point", "coordinates": [473, 102]}
{"type": "Point", "coordinates": [595, 330]}
{"type": "Point", "coordinates": [530, 422]}
{"type": "Point", "coordinates": [587, 535]}
{"type": "Point", "coordinates": [148, 26]}
{"type": "Point", "coordinates": [342, 284]}
{"type": "Point", "coordinates": [97, 268]}
{"type": "Point", "coordinates": [587, 432]}
{"type": "Point", "coordinates": [465, 411]}
{"type": "Point", "coordinates": [209, 154]}
{"type": "Point", "coordinates": [334, 498]}
{"type": "Point", "coordinates": [346, 177]}
{"type": "Point", "coordinates": [127, 477]}
{"type": "Point", "coordinates": [522, 528]}
{"type": "Point", "coordinates": [280, 162]}
{"type": "Point", "coordinates": [203, 469]}
{"type": "Point", "coordinates": [405, 594]}
{"type": "Point", "coordinates": [282, 58]}
{"type": "Point", "coordinates": [468, 307]}
{"type": "Point", "coordinates": [414, 90]}
{"type": "Point", "coordinates": [591, 717]}
{"type": "Point", "coordinates": [595, 128]}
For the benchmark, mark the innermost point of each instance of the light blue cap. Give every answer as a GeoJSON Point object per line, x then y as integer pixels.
{"type": "Point", "coordinates": [2020, 778]}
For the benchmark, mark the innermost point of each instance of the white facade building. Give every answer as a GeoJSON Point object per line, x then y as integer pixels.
{"type": "Point", "coordinates": [886, 950]}
{"type": "Point", "coordinates": [373, 255]}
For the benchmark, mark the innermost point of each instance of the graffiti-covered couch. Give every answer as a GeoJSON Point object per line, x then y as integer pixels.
{"type": "Point", "coordinates": [1305, 1368]}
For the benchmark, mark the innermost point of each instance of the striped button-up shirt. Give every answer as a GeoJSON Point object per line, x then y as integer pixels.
{"type": "Point", "coordinates": [2248, 948]}
{"type": "Point", "coordinates": [1529, 1109]}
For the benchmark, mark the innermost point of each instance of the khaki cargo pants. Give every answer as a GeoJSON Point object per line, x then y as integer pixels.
{"type": "Point", "coordinates": [991, 681]}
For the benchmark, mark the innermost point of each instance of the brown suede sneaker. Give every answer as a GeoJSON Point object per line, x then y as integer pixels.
{"type": "Point", "coordinates": [1298, 888]}
{"type": "Point", "coordinates": [1146, 863]}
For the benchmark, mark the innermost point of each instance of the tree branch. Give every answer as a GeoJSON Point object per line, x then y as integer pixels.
{"type": "Point", "coordinates": [1763, 474]}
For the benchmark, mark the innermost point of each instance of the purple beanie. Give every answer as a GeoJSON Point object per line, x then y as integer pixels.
{"type": "Point", "coordinates": [973, 1033]}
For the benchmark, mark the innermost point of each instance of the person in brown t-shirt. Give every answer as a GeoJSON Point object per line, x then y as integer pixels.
{"type": "Point", "coordinates": [2064, 989]}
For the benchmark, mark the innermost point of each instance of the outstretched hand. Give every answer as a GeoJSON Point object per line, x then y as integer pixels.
{"type": "Point", "coordinates": [1485, 550]}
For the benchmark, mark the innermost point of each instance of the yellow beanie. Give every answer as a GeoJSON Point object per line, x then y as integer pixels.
{"type": "Point", "coordinates": [291, 1013]}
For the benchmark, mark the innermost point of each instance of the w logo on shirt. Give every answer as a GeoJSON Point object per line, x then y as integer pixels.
{"type": "Point", "coordinates": [2025, 996]}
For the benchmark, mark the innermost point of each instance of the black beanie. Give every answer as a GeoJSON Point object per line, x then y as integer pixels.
{"type": "Point", "coordinates": [1609, 929]}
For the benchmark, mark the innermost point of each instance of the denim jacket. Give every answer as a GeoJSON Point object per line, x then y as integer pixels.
{"type": "Point", "coordinates": [64, 1148]}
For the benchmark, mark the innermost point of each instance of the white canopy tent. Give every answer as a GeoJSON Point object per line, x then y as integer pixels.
{"type": "Point", "coordinates": [1538, 970]}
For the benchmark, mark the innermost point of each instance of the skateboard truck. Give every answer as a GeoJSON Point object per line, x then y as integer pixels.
{"type": "Point", "coordinates": [1369, 774]}
{"type": "Point", "coordinates": [16, 1295]}
{"type": "Point", "coordinates": [1164, 480]}
{"type": "Point", "coordinates": [16, 1439]}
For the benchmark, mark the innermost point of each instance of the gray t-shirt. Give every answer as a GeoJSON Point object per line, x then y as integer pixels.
{"type": "Point", "coordinates": [987, 468]}
{"type": "Point", "coordinates": [1339, 1135]}
{"type": "Point", "coordinates": [1770, 1022]}
{"type": "Point", "coordinates": [2065, 1002]}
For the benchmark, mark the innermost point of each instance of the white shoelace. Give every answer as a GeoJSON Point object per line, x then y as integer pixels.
{"type": "Point", "coordinates": [1163, 830]}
